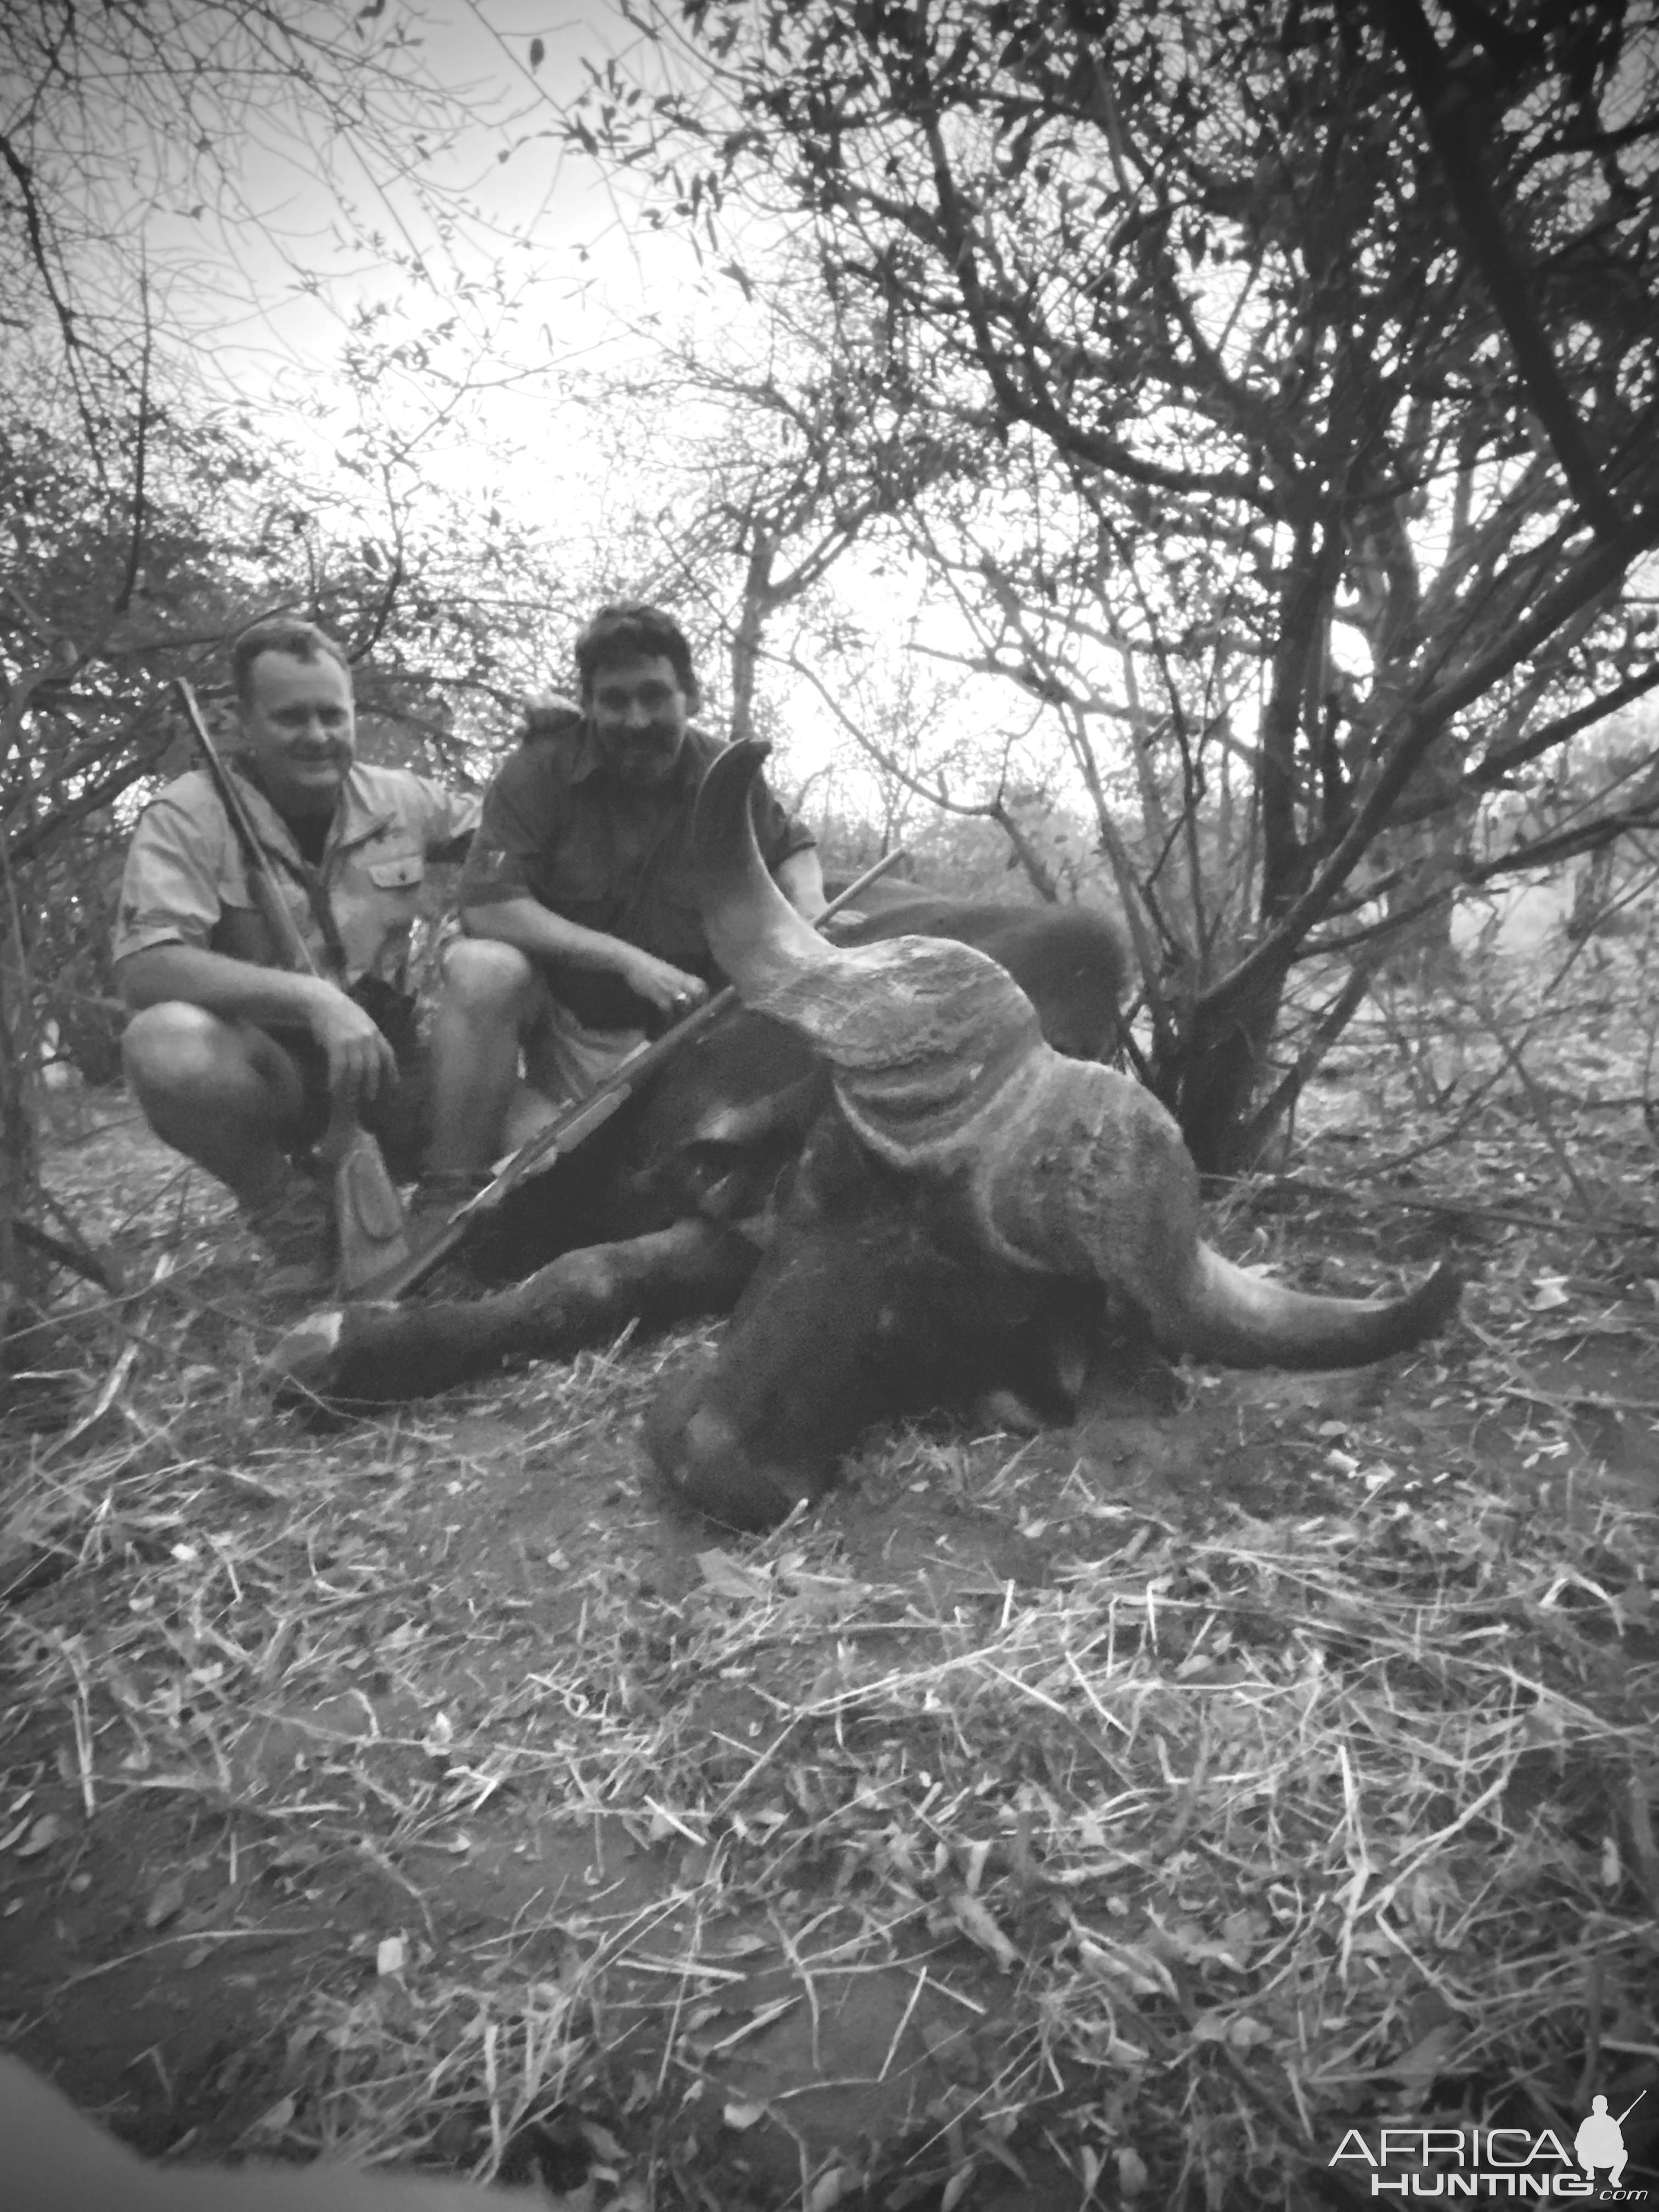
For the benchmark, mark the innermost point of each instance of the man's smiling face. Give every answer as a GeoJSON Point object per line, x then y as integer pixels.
{"type": "Point", "coordinates": [298, 729]}
{"type": "Point", "coordinates": [639, 713]}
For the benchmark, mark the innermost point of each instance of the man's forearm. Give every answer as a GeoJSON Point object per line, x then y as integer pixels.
{"type": "Point", "coordinates": [236, 990]}
{"type": "Point", "coordinates": [539, 933]}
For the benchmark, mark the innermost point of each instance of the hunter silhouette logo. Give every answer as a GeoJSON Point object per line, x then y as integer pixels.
{"type": "Point", "coordinates": [1600, 2139]}
{"type": "Point", "coordinates": [1485, 2162]}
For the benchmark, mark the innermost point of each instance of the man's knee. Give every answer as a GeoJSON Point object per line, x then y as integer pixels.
{"type": "Point", "coordinates": [175, 1047]}
{"type": "Point", "coordinates": [491, 982]}
{"type": "Point", "coordinates": [181, 1059]}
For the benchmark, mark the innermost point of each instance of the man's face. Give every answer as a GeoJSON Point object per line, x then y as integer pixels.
{"type": "Point", "coordinates": [639, 713]}
{"type": "Point", "coordinates": [297, 726]}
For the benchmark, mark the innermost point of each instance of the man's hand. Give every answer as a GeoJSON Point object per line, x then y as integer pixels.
{"type": "Point", "coordinates": [668, 988]}
{"type": "Point", "coordinates": [360, 1059]}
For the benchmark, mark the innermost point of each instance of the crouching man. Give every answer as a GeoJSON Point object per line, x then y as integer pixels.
{"type": "Point", "coordinates": [235, 1061]}
{"type": "Point", "coordinates": [579, 898]}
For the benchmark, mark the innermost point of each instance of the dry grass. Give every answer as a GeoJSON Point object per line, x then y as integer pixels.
{"type": "Point", "coordinates": [1229, 1832]}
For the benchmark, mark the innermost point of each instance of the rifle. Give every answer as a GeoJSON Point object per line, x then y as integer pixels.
{"type": "Point", "coordinates": [575, 1126]}
{"type": "Point", "coordinates": [368, 1211]}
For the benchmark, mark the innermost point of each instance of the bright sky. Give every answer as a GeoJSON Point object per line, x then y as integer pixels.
{"type": "Point", "coordinates": [563, 273]}
{"type": "Point", "coordinates": [558, 275]}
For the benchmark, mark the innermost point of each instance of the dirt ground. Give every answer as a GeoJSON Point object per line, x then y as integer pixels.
{"type": "Point", "coordinates": [430, 1787]}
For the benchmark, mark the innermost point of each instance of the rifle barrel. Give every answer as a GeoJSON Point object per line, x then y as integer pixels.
{"type": "Point", "coordinates": [573, 1128]}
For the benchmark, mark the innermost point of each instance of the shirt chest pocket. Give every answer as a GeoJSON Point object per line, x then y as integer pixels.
{"type": "Point", "coordinates": [376, 904]}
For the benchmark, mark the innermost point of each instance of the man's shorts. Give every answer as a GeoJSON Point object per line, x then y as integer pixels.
{"type": "Point", "coordinates": [566, 1060]}
{"type": "Point", "coordinates": [398, 1117]}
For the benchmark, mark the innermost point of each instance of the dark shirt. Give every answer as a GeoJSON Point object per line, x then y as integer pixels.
{"type": "Point", "coordinates": [558, 828]}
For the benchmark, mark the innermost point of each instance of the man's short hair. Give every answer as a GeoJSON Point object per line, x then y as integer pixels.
{"type": "Point", "coordinates": [629, 629]}
{"type": "Point", "coordinates": [301, 640]}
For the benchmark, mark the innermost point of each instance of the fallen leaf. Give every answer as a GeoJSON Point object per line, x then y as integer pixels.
{"type": "Point", "coordinates": [1425, 2058]}
{"type": "Point", "coordinates": [1140, 1971]}
{"type": "Point", "coordinates": [272, 2123]}
{"type": "Point", "coordinates": [976, 1923]}
{"type": "Point", "coordinates": [740, 2115]}
{"type": "Point", "coordinates": [166, 1902]}
{"type": "Point", "coordinates": [1241, 1932]}
{"type": "Point", "coordinates": [45, 1833]}
{"type": "Point", "coordinates": [723, 1573]}
{"type": "Point", "coordinates": [389, 1955]}
{"type": "Point", "coordinates": [601, 2140]}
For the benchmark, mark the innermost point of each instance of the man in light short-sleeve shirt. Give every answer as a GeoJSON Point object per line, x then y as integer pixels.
{"type": "Point", "coordinates": [234, 1060]}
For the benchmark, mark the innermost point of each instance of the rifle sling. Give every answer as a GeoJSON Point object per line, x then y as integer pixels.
{"type": "Point", "coordinates": [309, 878]}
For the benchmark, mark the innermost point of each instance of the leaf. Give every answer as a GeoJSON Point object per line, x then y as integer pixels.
{"type": "Point", "coordinates": [723, 1573]}
{"type": "Point", "coordinates": [740, 2115]}
{"type": "Point", "coordinates": [1417, 2069]}
{"type": "Point", "coordinates": [1141, 1971]}
{"type": "Point", "coordinates": [273, 2122]}
{"type": "Point", "coordinates": [976, 1923]}
{"type": "Point", "coordinates": [601, 2140]}
{"type": "Point", "coordinates": [45, 1833]}
{"type": "Point", "coordinates": [166, 1902]}
{"type": "Point", "coordinates": [1241, 1931]}
{"type": "Point", "coordinates": [956, 2188]}
{"type": "Point", "coordinates": [389, 1955]}
{"type": "Point", "coordinates": [828, 2190]}
{"type": "Point", "coordinates": [1130, 2171]}
{"type": "Point", "coordinates": [537, 53]}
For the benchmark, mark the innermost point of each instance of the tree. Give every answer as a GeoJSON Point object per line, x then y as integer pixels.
{"type": "Point", "coordinates": [148, 516]}
{"type": "Point", "coordinates": [1303, 362]}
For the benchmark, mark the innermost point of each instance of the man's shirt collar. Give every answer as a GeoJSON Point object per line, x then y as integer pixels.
{"type": "Point", "coordinates": [356, 820]}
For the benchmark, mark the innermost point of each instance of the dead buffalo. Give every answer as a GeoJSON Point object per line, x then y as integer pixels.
{"type": "Point", "coordinates": [662, 1213]}
{"type": "Point", "coordinates": [961, 1199]}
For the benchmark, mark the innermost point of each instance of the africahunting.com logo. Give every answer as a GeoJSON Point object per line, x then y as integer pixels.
{"type": "Point", "coordinates": [1491, 2163]}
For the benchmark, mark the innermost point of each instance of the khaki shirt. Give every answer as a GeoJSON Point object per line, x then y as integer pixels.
{"type": "Point", "coordinates": [186, 883]}
{"type": "Point", "coordinates": [558, 828]}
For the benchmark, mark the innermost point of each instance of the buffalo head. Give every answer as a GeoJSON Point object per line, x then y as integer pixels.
{"type": "Point", "coordinates": [973, 1203]}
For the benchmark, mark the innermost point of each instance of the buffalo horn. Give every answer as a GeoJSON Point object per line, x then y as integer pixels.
{"type": "Point", "coordinates": [1061, 1166]}
{"type": "Point", "coordinates": [924, 1038]}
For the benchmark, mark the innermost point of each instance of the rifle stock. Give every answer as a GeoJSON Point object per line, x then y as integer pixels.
{"type": "Point", "coordinates": [576, 1125]}
{"type": "Point", "coordinates": [368, 1214]}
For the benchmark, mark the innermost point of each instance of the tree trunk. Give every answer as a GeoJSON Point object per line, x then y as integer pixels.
{"type": "Point", "coordinates": [21, 1270]}
{"type": "Point", "coordinates": [746, 638]}
{"type": "Point", "coordinates": [1211, 1074]}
